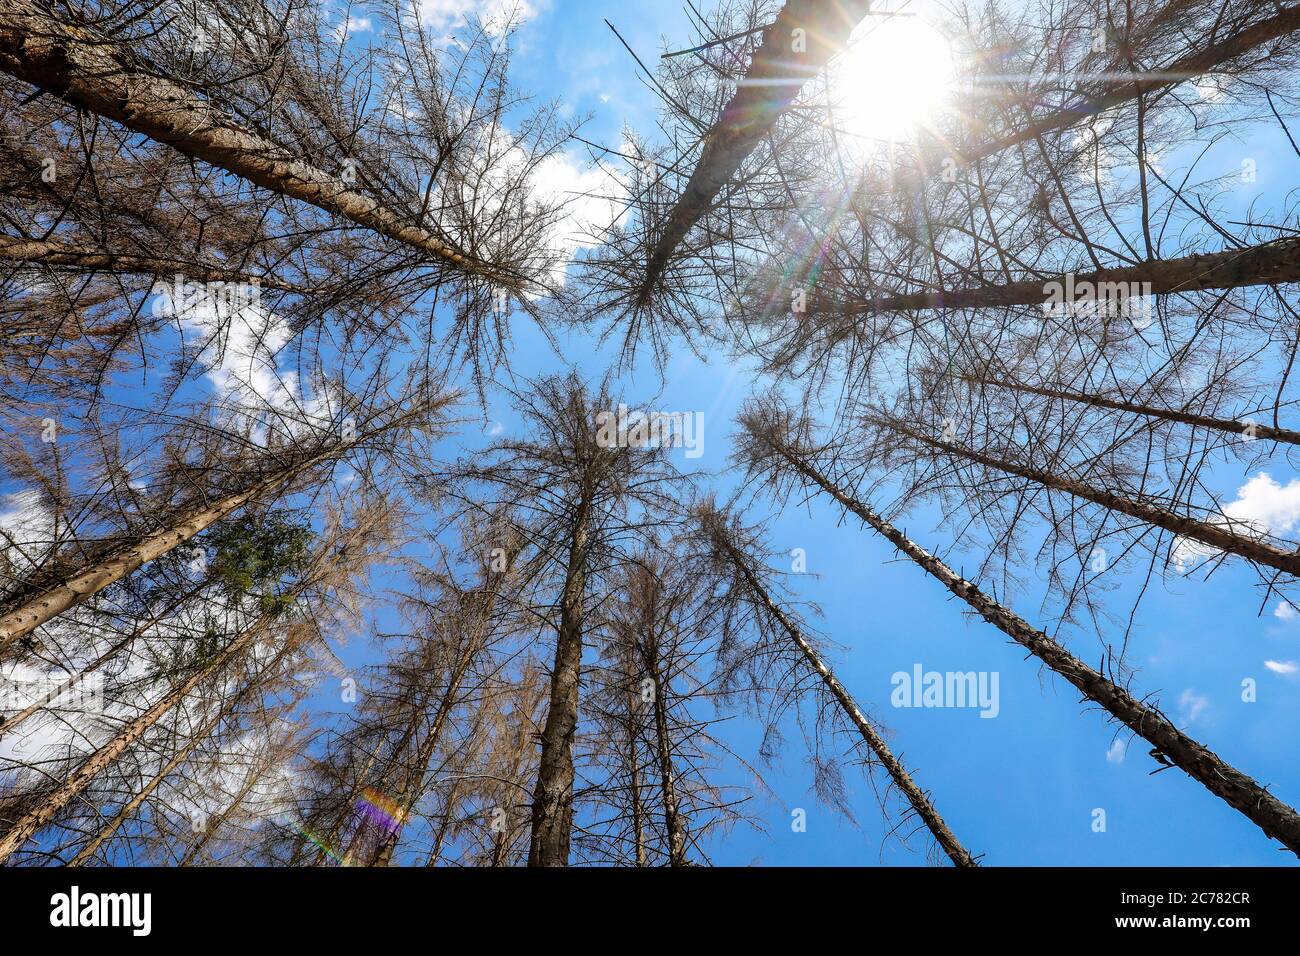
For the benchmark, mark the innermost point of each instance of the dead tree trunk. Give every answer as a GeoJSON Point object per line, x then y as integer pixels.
{"type": "Point", "coordinates": [94, 73]}
{"type": "Point", "coordinates": [553, 799]}
{"type": "Point", "coordinates": [77, 781]}
{"type": "Point", "coordinates": [1205, 60]}
{"type": "Point", "coordinates": [634, 777]}
{"type": "Point", "coordinates": [46, 252]}
{"type": "Point", "coordinates": [916, 797]}
{"type": "Point", "coordinates": [90, 579]}
{"type": "Point", "coordinates": [214, 826]}
{"type": "Point", "coordinates": [1250, 429]}
{"type": "Point", "coordinates": [444, 825]}
{"type": "Point", "coordinates": [12, 724]}
{"type": "Point", "coordinates": [131, 806]}
{"type": "Point", "coordinates": [1278, 820]}
{"type": "Point", "coordinates": [1216, 536]}
{"type": "Point", "coordinates": [778, 71]}
{"type": "Point", "coordinates": [1266, 264]}
{"type": "Point", "coordinates": [414, 780]}
{"type": "Point", "coordinates": [674, 825]}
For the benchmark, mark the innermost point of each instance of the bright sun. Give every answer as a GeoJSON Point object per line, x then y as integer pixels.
{"type": "Point", "coordinates": [896, 74]}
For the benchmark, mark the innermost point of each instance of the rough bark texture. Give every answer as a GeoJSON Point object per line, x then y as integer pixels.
{"type": "Point", "coordinates": [1205, 60]}
{"type": "Point", "coordinates": [117, 564]}
{"type": "Point", "coordinates": [1267, 264]}
{"type": "Point", "coordinates": [1278, 820]}
{"type": "Point", "coordinates": [131, 806]}
{"type": "Point", "coordinates": [917, 797]}
{"type": "Point", "coordinates": [1265, 432]}
{"type": "Point", "coordinates": [1214, 535]}
{"type": "Point", "coordinates": [77, 781]}
{"type": "Point", "coordinates": [46, 252]}
{"type": "Point", "coordinates": [553, 799]}
{"type": "Point", "coordinates": [775, 76]}
{"type": "Point", "coordinates": [634, 776]}
{"type": "Point", "coordinates": [674, 825]}
{"type": "Point", "coordinates": [95, 74]}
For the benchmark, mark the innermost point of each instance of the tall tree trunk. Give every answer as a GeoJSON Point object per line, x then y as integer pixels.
{"type": "Point", "coordinates": [444, 824]}
{"type": "Point", "coordinates": [553, 799]}
{"type": "Point", "coordinates": [93, 73]}
{"type": "Point", "coordinates": [673, 824]}
{"type": "Point", "coordinates": [47, 252]}
{"type": "Point", "coordinates": [777, 73]}
{"type": "Point", "coordinates": [500, 849]}
{"type": "Point", "coordinates": [917, 797]}
{"type": "Point", "coordinates": [1238, 428]}
{"type": "Point", "coordinates": [77, 781]}
{"type": "Point", "coordinates": [33, 611]}
{"type": "Point", "coordinates": [634, 778]}
{"type": "Point", "coordinates": [413, 783]}
{"type": "Point", "coordinates": [12, 724]}
{"type": "Point", "coordinates": [214, 826]}
{"type": "Point", "coordinates": [1205, 60]}
{"type": "Point", "coordinates": [1274, 817]}
{"type": "Point", "coordinates": [1216, 536]}
{"type": "Point", "coordinates": [414, 779]}
{"type": "Point", "coordinates": [1269, 263]}
{"type": "Point", "coordinates": [131, 806]}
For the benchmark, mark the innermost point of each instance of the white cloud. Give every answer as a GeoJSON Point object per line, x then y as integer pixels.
{"type": "Point", "coordinates": [1284, 611]}
{"type": "Point", "coordinates": [239, 340]}
{"type": "Point", "coordinates": [591, 194]}
{"type": "Point", "coordinates": [1191, 705]}
{"type": "Point", "coordinates": [496, 15]}
{"type": "Point", "coordinates": [1285, 668]}
{"type": "Point", "coordinates": [1212, 87]}
{"type": "Point", "coordinates": [351, 25]}
{"type": "Point", "coordinates": [1266, 505]}
{"type": "Point", "coordinates": [1116, 752]}
{"type": "Point", "coordinates": [586, 197]}
{"type": "Point", "coordinates": [26, 530]}
{"type": "Point", "coordinates": [1262, 506]}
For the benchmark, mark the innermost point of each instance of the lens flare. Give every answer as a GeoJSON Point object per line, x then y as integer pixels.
{"type": "Point", "coordinates": [896, 75]}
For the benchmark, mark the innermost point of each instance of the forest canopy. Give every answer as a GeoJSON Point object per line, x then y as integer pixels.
{"type": "Point", "coordinates": [422, 444]}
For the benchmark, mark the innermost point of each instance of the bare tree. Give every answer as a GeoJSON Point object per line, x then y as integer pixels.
{"type": "Point", "coordinates": [779, 445]}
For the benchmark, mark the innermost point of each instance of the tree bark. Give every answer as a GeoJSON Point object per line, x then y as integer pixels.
{"type": "Point", "coordinates": [674, 826]}
{"type": "Point", "coordinates": [77, 781]}
{"type": "Point", "coordinates": [1216, 536]}
{"type": "Point", "coordinates": [1238, 428]}
{"type": "Point", "coordinates": [94, 73]}
{"type": "Point", "coordinates": [415, 777]}
{"type": "Point", "coordinates": [93, 577]}
{"type": "Point", "coordinates": [1206, 60]}
{"type": "Point", "coordinates": [1270, 263]}
{"type": "Point", "coordinates": [131, 806]}
{"type": "Point", "coordinates": [776, 74]}
{"type": "Point", "coordinates": [919, 800]}
{"type": "Point", "coordinates": [1278, 820]}
{"type": "Point", "coordinates": [553, 799]}
{"type": "Point", "coordinates": [47, 252]}
{"type": "Point", "coordinates": [634, 777]}
{"type": "Point", "coordinates": [12, 724]}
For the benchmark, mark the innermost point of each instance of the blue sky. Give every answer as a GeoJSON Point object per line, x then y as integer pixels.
{"type": "Point", "coordinates": [1021, 788]}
